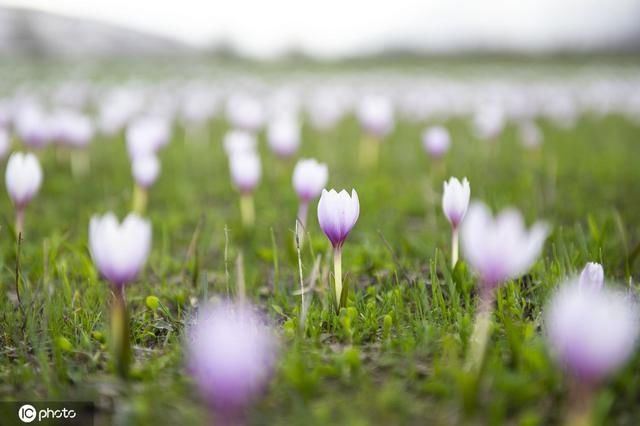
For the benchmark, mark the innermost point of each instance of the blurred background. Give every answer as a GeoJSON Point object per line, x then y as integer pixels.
{"type": "Point", "coordinates": [322, 31]}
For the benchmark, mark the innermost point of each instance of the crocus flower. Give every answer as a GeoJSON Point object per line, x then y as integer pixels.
{"type": "Point", "coordinates": [489, 121]}
{"type": "Point", "coordinates": [238, 142]}
{"type": "Point", "coordinates": [592, 276]}
{"type": "Point", "coordinates": [118, 108]}
{"type": "Point", "coordinates": [337, 214]}
{"type": "Point", "coordinates": [530, 134]}
{"type": "Point", "coordinates": [145, 170]}
{"type": "Point", "coordinates": [245, 112]}
{"type": "Point", "coordinates": [436, 141]}
{"type": "Point", "coordinates": [147, 135]}
{"type": "Point", "coordinates": [72, 128]}
{"type": "Point", "coordinates": [455, 200]}
{"type": "Point", "coordinates": [231, 356]}
{"type": "Point", "coordinates": [23, 178]}
{"type": "Point", "coordinates": [591, 333]}
{"type": "Point", "coordinates": [76, 131]}
{"type": "Point", "coordinates": [33, 126]}
{"type": "Point", "coordinates": [502, 248]}
{"type": "Point", "coordinates": [245, 173]}
{"type": "Point", "coordinates": [498, 249]}
{"type": "Point", "coordinates": [377, 121]}
{"type": "Point", "coordinates": [119, 251]}
{"type": "Point", "coordinates": [283, 136]}
{"type": "Point", "coordinates": [5, 143]}
{"type": "Point", "coordinates": [309, 178]}
{"type": "Point", "coordinates": [376, 116]}
{"type": "Point", "coordinates": [325, 110]}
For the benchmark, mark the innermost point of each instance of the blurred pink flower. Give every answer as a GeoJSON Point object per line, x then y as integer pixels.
{"type": "Point", "coordinates": [500, 248]}
{"type": "Point", "coordinates": [231, 355]}
{"type": "Point", "coordinates": [591, 332]}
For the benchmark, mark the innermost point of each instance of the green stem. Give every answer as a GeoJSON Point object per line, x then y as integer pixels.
{"type": "Point", "coordinates": [481, 331]}
{"type": "Point", "coordinates": [140, 197]}
{"type": "Point", "coordinates": [301, 226]}
{"type": "Point", "coordinates": [337, 274]}
{"type": "Point", "coordinates": [79, 163]}
{"type": "Point", "coordinates": [247, 210]}
{"type": "Point", "coordinates": [19, 220]}
{"type": "Point", "coordinates": [369, 151]}
{"type": "Point", "coordinates": [454, 247]}
{"type": "Point", "coordinates": [580, 402]}
{"type": "Point", "coordinates": [120, 333]}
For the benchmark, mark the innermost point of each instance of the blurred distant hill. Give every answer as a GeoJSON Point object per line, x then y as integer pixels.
{"type": "Point", "coordinates": [31, 33]}
{"type": "Point", "coordinates": [35, 34]}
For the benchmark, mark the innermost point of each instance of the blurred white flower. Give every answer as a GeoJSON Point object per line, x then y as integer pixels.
{"type": "Point", "coordinates": [500, 248]}
{"type": "Point", "coordinates": [119, 250]}
{"type": "Point", "coordinates": [489, 121]}
{"type": "Point", "coordinates": [283, 135]}
{"type": "Point", "coordinates": [245, 112]}
{"type": "Point", "coordinates": [436, 141]}
{"type": "Point", "coordinates": [591, 331]}
{"type": "Point", "coordinates": [238, 142]}
{"type": "Point", "coordinates": [309, 179]}
{"type": "Point", "coordinates": [455, 200]}
{"type": "Point", "coordinates": [145, 170]}
{"type": "Point", "coordinates": [23, 178]}
{"type": "Point", "coordinates": [146, 135]}
{"type": "Point", "coordinates": [245, 171]}
{"type": "Point", "coordinates": [376, 115]}
{"type": "Point", "coordinates": [231, 355]}
{"type": "Point", "coordinates": [592, 276]}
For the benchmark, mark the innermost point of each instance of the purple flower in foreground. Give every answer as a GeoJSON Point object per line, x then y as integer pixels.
{"type": "Point", "coordinates": [591, 332]}
{"type": "Point", "coordinates": [231, 355]}
{"type": "Point", "coordinates": [337, 214]}
{"type": "Point", "coordinates": [592, 276]}
{"type": "Point", "coordinates": [119, 250]}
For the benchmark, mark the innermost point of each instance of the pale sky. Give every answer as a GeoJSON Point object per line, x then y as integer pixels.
{"type": "Point", "coordinates": [336, 27]}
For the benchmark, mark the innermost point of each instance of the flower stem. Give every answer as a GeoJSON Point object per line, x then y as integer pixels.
{"type": "Point", "coordinates": [139, 199]}
{"type": "Point", "coordinates": [19, 220]}
{"type": "Point", "coordinates": [120, 333]}
{"type": "Point", "coordinates": [369, 152]}
{"type": "Point", "coordinates": [79, 163]}
{"type": "Point", "coordinates": [481, 330]}
{"type": "Point", "coordinates": [247, 210]}
{"type": "Point", "coordinates": [302, 225]}
{"type": "Point", "coordinates": [580, 403]}
{"type": "Point", "coordinates": [454, 247]}
{"type": "Point", "coordinates": [337, 274]}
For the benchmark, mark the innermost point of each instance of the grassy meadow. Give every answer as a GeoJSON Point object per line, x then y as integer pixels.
{"type": "Point", "coordinates": [395, 355]}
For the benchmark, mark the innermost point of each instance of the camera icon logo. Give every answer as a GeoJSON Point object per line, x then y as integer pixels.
{"type": "Point", "coordinates": [27, 413]}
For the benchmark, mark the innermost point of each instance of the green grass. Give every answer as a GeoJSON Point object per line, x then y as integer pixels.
{"type": "Point", "coordinates": [395, 355]}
